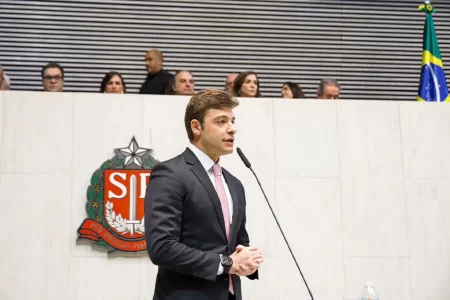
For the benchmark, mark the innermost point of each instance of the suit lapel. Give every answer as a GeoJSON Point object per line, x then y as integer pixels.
{"type": "Point", "coordinates": [198, 170]}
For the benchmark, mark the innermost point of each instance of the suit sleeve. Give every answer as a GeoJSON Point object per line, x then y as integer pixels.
{"type": "Point", "coordinates": [163, 220]}
{"type": "Point", "coordinates": [242, 236]}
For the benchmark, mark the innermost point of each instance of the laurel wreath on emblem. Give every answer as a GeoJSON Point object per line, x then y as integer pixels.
{"type": "Point", "coordinates": [95, 196]}
{"type": "Point", "coordinates": [119, 223]}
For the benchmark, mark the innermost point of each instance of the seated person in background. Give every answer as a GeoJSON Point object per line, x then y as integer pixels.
{"type": "Point", "coordinates": [157, 78]}
{"type": "Point", "coordinates": [4, 80]}
{"type": "Point", "coordinates": [246, 84]}
{"type": "Point", "coordinates": [328, 89]}
{"type": "Point", "coordinates": [113, 83]}
{"type": "Point", "coordinates": [229, 82]}
{"type": "Point", "coordinates": [52, 77]}
{"type": "Point", "coordinates": [291, 90]}
{"type": "Point", "coordinates": [182, 84]}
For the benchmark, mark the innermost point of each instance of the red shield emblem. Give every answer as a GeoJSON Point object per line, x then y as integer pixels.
{"type": "Point", "coordinates": [115, 200]}
{"type": "Point", "coordinates": [124, 201]}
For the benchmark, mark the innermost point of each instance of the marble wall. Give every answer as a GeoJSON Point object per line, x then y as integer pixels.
{"type": "Point", "coordinates": [361, 189]}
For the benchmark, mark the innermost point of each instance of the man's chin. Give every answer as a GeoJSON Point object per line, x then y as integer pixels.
{"type": "Point", "coordinates": [227, 151]}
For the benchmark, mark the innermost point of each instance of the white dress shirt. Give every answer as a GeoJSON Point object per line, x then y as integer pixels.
{"type": "Point", "coordinates": [207, 164]}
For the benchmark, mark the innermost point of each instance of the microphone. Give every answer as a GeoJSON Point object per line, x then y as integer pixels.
{"type": "Point", "coordinates": [248, 165]}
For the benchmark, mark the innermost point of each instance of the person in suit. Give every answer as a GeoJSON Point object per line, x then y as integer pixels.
{"type": "Point", "coordinates": [181, 84]}
{"type": "Point", "coordinates": [157, 78]}
{"type": "Point", "coordinates": [195, 211]}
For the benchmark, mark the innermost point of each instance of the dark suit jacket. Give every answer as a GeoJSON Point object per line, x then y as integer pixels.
{"type": "Point", "coordinates": [156, 84]}
{"type": "Point", "coordinates": [185, 230]}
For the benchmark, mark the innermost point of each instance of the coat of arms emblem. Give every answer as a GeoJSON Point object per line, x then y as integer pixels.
{"type": "Point", "coordinates": [115, 200]}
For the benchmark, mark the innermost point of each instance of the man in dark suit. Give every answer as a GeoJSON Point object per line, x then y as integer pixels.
{"type": "Point", "coordinates": [157, 78]}
{"type": "Point", "coordinates": [195, 211]}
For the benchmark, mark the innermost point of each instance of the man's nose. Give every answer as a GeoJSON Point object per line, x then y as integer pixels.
{"type": "Point", "coordinates": [232, 129]}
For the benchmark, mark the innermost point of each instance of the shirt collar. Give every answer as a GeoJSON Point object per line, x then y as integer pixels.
{"type": "Point", "coordinates": [205, 160]}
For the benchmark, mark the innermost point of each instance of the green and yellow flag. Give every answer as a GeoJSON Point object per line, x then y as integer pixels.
{"type": "Point", "coordinates": [433, 86]}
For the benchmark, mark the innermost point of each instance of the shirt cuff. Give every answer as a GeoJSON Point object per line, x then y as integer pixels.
{"type": "Point", "coordinates": [220, 270]}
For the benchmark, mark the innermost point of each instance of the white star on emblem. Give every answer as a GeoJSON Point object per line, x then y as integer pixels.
{"type": "Point", "coordinates": [133, 153]}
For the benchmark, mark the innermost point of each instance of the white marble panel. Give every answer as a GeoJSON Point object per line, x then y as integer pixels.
{"type": "Point", "coordinates": [428, 207]}
{"type": "Point", "coordinates": [37, 132]}
{"type": "Point", "coordinates": [35, 251]}
{"type": "Point", "coordinates": [104, 278]}
{"type": "Point", "coordinates": [103, 122]}
{"type": "Point", "coordinates": [309, 213]}
{"type": "Point", "coordinates": [163, 123]}
{"type": "Point", "coordinates": [305, 138]}
{"type": "Point", "coordinates": [148, 278]}
{"type": "Point", "coordinates": [369, 138]}
{"type": "Point", "coordinates": [371, 177]}
{"type": "Point", "coordinates": [390, 277]}
{"type": "Point", "coordinates": [425, 139]}
{"type": "Point", "coordinates": [266, 287]}
{"type": "Point", "coordinates": [374, 222]}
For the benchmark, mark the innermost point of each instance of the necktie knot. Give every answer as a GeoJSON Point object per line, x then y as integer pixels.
{"type": "Point", "coordinates": [217, 170]}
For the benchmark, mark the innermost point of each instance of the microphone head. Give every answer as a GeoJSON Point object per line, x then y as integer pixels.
{"type": "Point", "coordinates": [244, 159]}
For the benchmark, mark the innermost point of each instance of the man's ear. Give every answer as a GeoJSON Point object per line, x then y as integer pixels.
{"type": "Point", "coordinates": [196, 127]}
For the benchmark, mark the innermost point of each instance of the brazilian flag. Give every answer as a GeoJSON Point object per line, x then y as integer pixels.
{"type": "Point", "coordinates": [433, 86]}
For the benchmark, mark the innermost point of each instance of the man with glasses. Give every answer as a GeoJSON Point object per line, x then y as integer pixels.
{"type": "Point", "coordinates": [52, 77]}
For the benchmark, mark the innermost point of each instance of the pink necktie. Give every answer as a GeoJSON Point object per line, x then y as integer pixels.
{"type": "Point", "coordinates": [225, 208]}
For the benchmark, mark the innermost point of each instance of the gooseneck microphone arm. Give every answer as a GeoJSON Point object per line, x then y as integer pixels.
{"type": "Point", "coordinates": [248, 165]}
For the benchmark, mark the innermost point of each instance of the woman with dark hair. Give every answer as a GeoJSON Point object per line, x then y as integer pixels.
{"type": "Point", "coordinates": [113, 83]}
{"type": "Point", "coordinates": [246, 85]}
{"type": "Point", "coordinates": [291, 90]}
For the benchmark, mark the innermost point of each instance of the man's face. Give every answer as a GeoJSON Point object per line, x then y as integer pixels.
{"type": "Point", "coordinates": [229, 82]}
{"type": "Point", "coordinates": [53, 80]}
{"type": "Point", "coordinates": [184, 84]}
{"type": "Point", "coordinates": [217, 132]}
{"type": "Point", "coordinates": [330, 92]}
{"type": "Point", "coordinates": [153, 62]}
